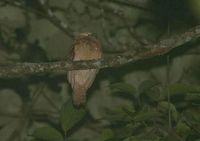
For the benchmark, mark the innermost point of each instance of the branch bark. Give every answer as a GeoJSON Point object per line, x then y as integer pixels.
{"type": "Point", "coordinates": [162, 47]}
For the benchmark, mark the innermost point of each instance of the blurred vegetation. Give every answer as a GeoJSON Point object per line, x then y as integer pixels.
{"type": "Point", "coordinates": [152, 100]}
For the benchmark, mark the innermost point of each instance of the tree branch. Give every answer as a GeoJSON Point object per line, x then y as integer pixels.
{"type": "Point", "coordinates": [163, 47]}
{"type": "Point", "coordinates": [132, 4]}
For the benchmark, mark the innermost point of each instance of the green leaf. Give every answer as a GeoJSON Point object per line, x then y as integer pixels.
{"type": "Point", "coordinates": [70, 116]}
{"type": "Point", "coordinates": [34, 140]}
{"type": "Point", "coordinates": [182, 89]}
{"type": "Point", "coordinates": [131, 139]}
{"type": "Point", "coordinates": [123, 87]}
{"type": "Point", "coordinates": [107, 134]}
{"type": "Point", "coordinates": [193, 115]}
{"type": "Point", "coordinates": [143, 137]}
{"type": "Point", "coordinates": [183, 129]}
{"type": "Point", "coordinates": [154, 94]}
{"type": "Point", "coordinates": [164, 108]}
{"type": "Point", "coordinates": [48, 134]}
{"type": "Point", "coordinates": [146, 85]}
{"type": "Point", "coordinates": [146, 115]}
{"type": "Point", "coordinates": [79, 6]}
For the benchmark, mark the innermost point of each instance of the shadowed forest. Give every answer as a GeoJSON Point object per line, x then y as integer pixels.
{"type": "Point", "coordinates": [147, 87]}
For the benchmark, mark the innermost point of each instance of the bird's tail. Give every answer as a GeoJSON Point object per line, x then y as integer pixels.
{"type": "Point", "coordinates": [79, 97]}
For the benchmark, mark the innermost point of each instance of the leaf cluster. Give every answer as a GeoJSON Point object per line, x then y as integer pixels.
{"type": "Point", "coordinates": [158, 113]}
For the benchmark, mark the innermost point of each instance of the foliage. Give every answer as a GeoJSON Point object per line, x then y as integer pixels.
{"type": "Point", "coordinates": [69, 117]}
{"type": "Point", "coordinates": [152, 117]}
{"type": "Point", "coordinates": [155, 117]}
{"type": "Point", "coordinates": [48, 134]}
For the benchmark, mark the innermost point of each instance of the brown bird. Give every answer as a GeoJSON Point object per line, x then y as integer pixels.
{"type": "Point", "coordinates": [86, 47]}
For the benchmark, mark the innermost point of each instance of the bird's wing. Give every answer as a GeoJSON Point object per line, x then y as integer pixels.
{"type": "Point", "coordinates": [91, 77]}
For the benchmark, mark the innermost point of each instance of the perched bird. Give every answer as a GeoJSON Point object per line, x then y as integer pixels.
{"type": "Point", "coordinates": [85, 47]}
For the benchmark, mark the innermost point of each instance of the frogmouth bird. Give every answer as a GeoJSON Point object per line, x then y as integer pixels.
{"type": "Point", "coordinates": [85, 47]}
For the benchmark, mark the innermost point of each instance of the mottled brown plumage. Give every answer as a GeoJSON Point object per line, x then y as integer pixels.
{"type": "Point", "coordinates": [86, 47]}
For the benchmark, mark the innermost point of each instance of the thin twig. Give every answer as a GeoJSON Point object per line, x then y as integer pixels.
{"type": "Point", "coordinates": [51, 18]}
{"type": "Point", "coordinates": [131, 5]}
{"type": "Point", "coordinates": [168, 94]}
